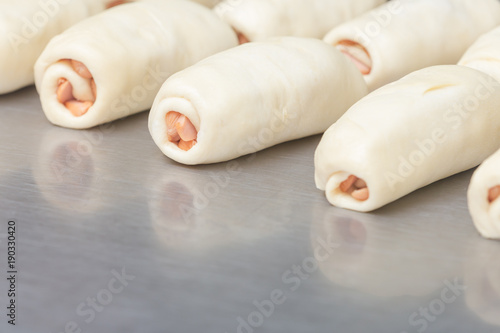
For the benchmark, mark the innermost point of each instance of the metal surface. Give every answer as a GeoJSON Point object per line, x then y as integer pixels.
{"type": "Point", "coordinates": [244, 246]}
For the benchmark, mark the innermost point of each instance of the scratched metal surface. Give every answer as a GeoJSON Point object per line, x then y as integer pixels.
{"type": "Point", "coordinates": [247, 246]}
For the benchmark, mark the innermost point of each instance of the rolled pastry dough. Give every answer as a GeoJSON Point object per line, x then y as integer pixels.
{"type": "Point", "coordinates": [255, 96]}
{"type": "Point", "coordinates": [261, 19]}
{"type": "Point", "coordinates": [429, 125]}
{"type": "Point", "coordinates": [402, 36]}
{"type": "Point", "coordinates": [484, 54]}
{"type": "Point", "coordinates": [485, 214]}
{"type": "Point", "coordinates": [130, 50]}
{"type": "Point", "coordinates": [25, 29]}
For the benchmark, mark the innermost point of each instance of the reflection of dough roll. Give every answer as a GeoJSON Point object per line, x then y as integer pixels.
{"type": "Point", "coordinates": [356, 251]}
{"type": "Point", "coordinates": [174, 215]}
{"type": "Point", "coordinates": [27, 26]}
{"type": "Point", "coordinates": [483, 193]}
{"type": "Point", "coordinates": [427, 126]}
{"type": "Point", "coordinates": [484, 54]}
{"type": "Point", "coordinates": [185, 210]}
{"type": "Point", "coordinates": [122, 57]}
{"type": "Point", "coordinates": [406, 35]}
{"type": "Point", "coordinates": [255, 96]}
{"type": "Point", "coordinates": [70, 170]}
{"type": "Point", "coordinates": [260, 19]}
{"type": "Point", "coordinates": [482, 278]}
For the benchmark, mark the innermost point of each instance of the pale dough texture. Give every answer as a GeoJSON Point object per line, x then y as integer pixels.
{"type": "Point", "coordinates": [130, 51]}
{"type": "Point", "coordinates": [429, 125]}
{"type": "Point", "coordinates": [486, 215]}
{"type": "Point", "coordinates": [255, 96]}
{"type": "Point", "coordinates": [25, 29]}
{"type": "Point", "coordinates": [484, 54]}
{"type": "Point", "coordinates": [402, 36]}
{"type": "Point", "coordinates": [261, 19]}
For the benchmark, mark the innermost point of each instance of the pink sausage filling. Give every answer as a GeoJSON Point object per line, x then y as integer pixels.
{"type": "Point", "coordinates": [242, 39]}
{"type": "Point", "coordinates": [180, 130]}
{"type": "Point", "coordinates": [494, 193]}
{"type": "Point", "coordinates": [115, 3]}
{"type": "Point", "coordinates": [65, 94]}
{"type": "Point", "coordinates": [356, 187]}
{"type": "Point", "coordinates": [358, 54]}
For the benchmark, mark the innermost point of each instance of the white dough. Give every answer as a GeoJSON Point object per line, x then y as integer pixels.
{"type": "Point", "coordinates": [130, 51]}
{"type": "Point", "coordinates": [26, 26]}
{"type": "Point", "coordinates": [429, 125]}
{"type": "Point", "coordinates": [261, 19]}
{"type": "Point", "coordinates": [255, 96]}
{"type": "Point", "coordinates": [486, 215]}
{"type": "Point", "coordinates": [484, 54]}
{"type": "Point", "coordinates": [402, 36]}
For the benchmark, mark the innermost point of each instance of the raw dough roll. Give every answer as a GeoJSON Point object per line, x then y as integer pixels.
{"type": "Point", "coordinates": [25, 29]}
{"type": "Point", "coordinates": [402, 36]}
{"type": "Point", "coordinates": [484, 54]}
{"type": "Point", "coordinates": [429, 125]}
{"type": "Point", "coordinates": [256, 20]}
{"type": "Point", "coordinates": [252, 97]}
{"type": "Point", "coordinates": [113, 64]}
{"type": "Point", "coordinates": [483, 193]}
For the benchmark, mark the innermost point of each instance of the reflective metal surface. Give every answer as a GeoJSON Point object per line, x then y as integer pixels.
{"type": "Point", "coordinates": [114, 237]}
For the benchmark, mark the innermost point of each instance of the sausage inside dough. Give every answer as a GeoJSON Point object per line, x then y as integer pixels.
{"type": "Point", "coordinates": [257, 20]}
{"type": "Point", "coordinates": [252, 97]}
{"type": "Point", "coordinates": [113, 64]}
{"type": "Point", "coordinates": [25, 29]}
{"type": "Point", "coordinates": [429, 125]}
{"type": "Point", "coordinates": [483, 197]}
{"type": "Point", "coordinates": [402, 36]}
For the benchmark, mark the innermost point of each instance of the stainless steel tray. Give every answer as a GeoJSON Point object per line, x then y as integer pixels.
{"type": "Point", "coordinates": [114, 237]}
